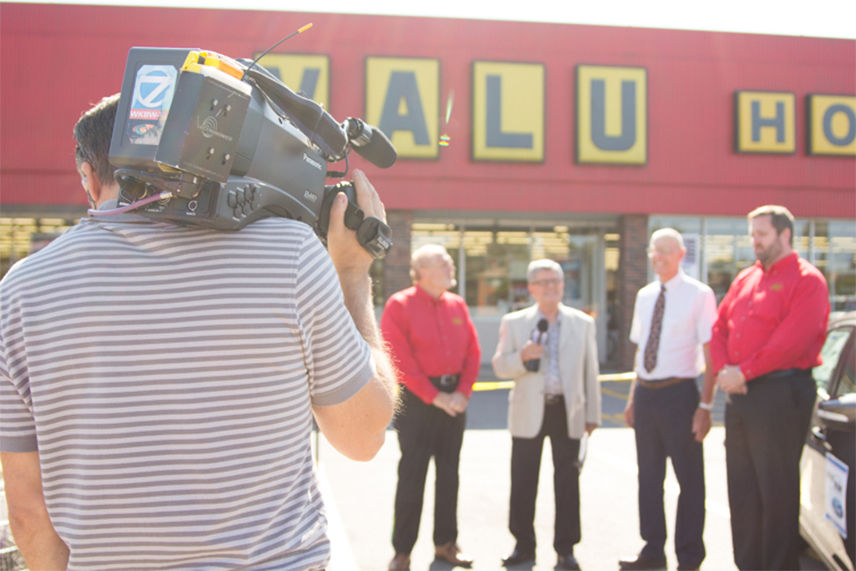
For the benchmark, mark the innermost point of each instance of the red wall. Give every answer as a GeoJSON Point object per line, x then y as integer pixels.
{"type": "Point", "coordinates": [56, 60]}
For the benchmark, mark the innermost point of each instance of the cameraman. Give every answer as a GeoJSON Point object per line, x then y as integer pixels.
{"type": "Point", "coordinates": [158, 384]}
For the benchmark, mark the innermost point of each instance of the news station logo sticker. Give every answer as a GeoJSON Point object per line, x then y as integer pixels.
{"type": "Point", "coordinates": [152, 96]}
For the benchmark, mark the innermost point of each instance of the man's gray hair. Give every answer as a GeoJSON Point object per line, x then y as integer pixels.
{"type": "Point", "coordinates": [538, 265]}
{"type": "Point", "coordinates": [668, 233]}
{"type": "Point", "coordinates": [421, 254]}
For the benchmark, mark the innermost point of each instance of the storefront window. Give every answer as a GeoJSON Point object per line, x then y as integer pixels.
{"type": "Point", "coordinates": [802, 238]}
{"type": "Point", "coordinates": [496, 280]}
{"type": "Point", "coordinates": [835, 255]}
{"type": "Point", "coordinates": [22, 236]}
{"type": "Point", "coordinates": [683, 224]}
{"type": "Point", "coordinates": [727, 249]}
{"type": "Point", "coordinates": [691, 231]}
{"type": "Point", "coordinates": [613, 326]}
{"type": "Point", "coordinates": [492, 261]}
{"type": "Point", "coordinates": [492, 274]}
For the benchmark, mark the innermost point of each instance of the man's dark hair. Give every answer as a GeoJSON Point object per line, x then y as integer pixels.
{"type": "Point", "coordinates": [780, 217]}
{"type": "Point", "coordinates": [92, 134]}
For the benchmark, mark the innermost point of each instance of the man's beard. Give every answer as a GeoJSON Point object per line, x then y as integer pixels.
{"type": "Point", "coordinates": [767, 255]}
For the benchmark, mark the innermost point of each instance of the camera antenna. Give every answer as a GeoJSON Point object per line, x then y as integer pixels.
{"type": "Point", "coordinates": [264, 53]}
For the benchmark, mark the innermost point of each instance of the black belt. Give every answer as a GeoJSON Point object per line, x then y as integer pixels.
{"type": "Point", "coordinates": [445, 383]}
{"type": "Point", "coordinates": [785, 373]}
{"type": "Point", "coordinates": [554, 399]}
{"type": "Point", "coordinates": [662, 383]}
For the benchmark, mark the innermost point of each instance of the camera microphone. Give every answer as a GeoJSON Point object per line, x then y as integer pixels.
{"type": "Point", "coordinates": [532, 365]}
{"type": "Point", "coordinates": [370, 143]}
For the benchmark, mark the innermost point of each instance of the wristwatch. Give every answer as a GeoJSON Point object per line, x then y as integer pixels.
{"type": "Point", "coordinates": [708, 406]}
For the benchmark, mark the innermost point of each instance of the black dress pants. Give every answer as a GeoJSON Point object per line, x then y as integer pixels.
{"type": "Point", "coordinates": [764, 434]}
{"type": "Point", "coordinates": [662, 421]}
{"type": "Point", "coordinates": [425, 431]}
{"type": "Point", "coordinates": [525, 466]}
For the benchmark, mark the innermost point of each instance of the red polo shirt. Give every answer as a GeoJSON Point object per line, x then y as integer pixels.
{"type": "Point", "coordinates": [430, 337]}
{"type": "Point", "coordinates": [772, 320]}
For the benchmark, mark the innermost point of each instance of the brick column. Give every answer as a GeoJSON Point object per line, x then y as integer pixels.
{"type": "Point", "coordinates": [396, 269]}
{"type": "Point", "coordinates": [632, 275]}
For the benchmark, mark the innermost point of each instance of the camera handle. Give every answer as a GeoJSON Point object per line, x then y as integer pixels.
{"type": "Point", "coordinates": [372, 233]}
{"type": "Point", "coordinates": [307, 115]}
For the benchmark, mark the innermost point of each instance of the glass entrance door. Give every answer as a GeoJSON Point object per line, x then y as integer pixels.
{"type": "Point", "coordinates": [585, 281]}
{"type": "Point", "coordinates": [492, 260]}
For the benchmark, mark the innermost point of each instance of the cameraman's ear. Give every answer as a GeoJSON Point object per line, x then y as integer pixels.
{"type": "Point", "coordinates": [91, 183]}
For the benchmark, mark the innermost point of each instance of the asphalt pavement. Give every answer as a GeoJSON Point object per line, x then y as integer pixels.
{"type": "Point", "coordinates": [360, 496]}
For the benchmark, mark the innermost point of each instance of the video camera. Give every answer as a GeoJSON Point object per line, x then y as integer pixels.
{"type": "Point", "coordinates": [204, 139]}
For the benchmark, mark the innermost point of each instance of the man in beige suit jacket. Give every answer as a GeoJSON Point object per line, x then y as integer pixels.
{"type": "Point", "coordinates": [559, 397]}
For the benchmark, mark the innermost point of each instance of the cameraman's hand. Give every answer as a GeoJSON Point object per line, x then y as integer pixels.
{"type": "Point", "coordinates": [347, 254]}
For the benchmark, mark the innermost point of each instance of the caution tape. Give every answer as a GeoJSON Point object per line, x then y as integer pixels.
{"type": "Point", "coordinates": [492, 385]}
{"type": "Point", "coordinates": [499, 385]}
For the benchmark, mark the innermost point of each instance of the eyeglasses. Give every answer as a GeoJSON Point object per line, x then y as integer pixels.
{"type": "Point", "coordinates": [661, 251]}
{"type": "Point", "coordinates": [547, 282]}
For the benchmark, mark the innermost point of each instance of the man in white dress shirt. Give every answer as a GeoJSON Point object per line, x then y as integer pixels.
{"type": "Point", "coordinates": [672, 322]}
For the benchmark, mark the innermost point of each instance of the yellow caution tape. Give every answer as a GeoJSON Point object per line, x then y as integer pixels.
{"type": "Point", "coordinates": [499, 385]}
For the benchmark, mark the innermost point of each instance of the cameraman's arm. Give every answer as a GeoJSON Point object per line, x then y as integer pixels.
{"type": "Point", "coordinates": [31, 526]}
{"type": "Point", "coordinates": [357, 427]}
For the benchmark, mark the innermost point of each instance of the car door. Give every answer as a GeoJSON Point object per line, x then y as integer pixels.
{"type": "Point", "coordinates": [827, 466]}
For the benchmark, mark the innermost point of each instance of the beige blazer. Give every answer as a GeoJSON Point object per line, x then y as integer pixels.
{"type": "Point", "coordinates": [578, 368]}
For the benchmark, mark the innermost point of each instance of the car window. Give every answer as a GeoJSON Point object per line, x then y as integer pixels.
{"type": "Point", "coordinates": [847, 384]}
{"type": "Point", "coordinates": [836, 342]}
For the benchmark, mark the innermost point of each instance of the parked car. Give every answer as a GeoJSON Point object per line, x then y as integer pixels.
{"type": "Point", "coordinates": [828, 464]}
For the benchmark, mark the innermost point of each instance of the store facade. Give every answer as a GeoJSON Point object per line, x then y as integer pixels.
{"type": "Point", "coordinates": [516, 141]}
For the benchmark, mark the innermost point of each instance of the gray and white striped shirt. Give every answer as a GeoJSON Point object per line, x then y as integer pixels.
{"type": "Point", "coordinates": [166, 374]}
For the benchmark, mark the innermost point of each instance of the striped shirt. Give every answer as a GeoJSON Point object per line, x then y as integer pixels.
{"type": "Point", "coordinates": [166, 374]}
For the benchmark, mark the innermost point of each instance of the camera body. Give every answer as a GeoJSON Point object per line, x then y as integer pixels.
{"type": "Point", "coordinates": [231, 144]}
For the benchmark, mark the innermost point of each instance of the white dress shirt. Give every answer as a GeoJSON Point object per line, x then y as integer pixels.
{"type": "Point", "coordinates": [687, 322]}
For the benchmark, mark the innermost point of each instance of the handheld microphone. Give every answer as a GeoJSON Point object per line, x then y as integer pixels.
{"type": "Point", "coordinates": [532, 365]}
{"type": "Point", "coordinates": [370, 143]}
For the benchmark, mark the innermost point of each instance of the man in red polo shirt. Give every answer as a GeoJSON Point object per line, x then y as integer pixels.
{"type": "Point", "coordinates": [767, 337]}
{"type": "Point", "coordinates": [434, 345]}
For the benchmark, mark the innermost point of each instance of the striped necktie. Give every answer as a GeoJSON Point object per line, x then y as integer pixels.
{"type": "Point", "coordinates": [656, 326]}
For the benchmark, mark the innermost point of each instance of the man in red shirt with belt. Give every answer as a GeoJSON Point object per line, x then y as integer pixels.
{"type": "Point", "coordinates": [767, 337]}
{"type": "Point", "coordinates": [434, 345]}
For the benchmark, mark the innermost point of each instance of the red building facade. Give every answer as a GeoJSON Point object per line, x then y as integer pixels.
{"type": "Point", "coordinates": [516, 140]}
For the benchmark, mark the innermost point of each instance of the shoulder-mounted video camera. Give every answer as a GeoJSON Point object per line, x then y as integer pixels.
{"type": "Point", "coordinates": [203, 139]}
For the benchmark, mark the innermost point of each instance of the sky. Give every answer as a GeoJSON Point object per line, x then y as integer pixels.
{"type": "Point", "coordinates": [816, 18]}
